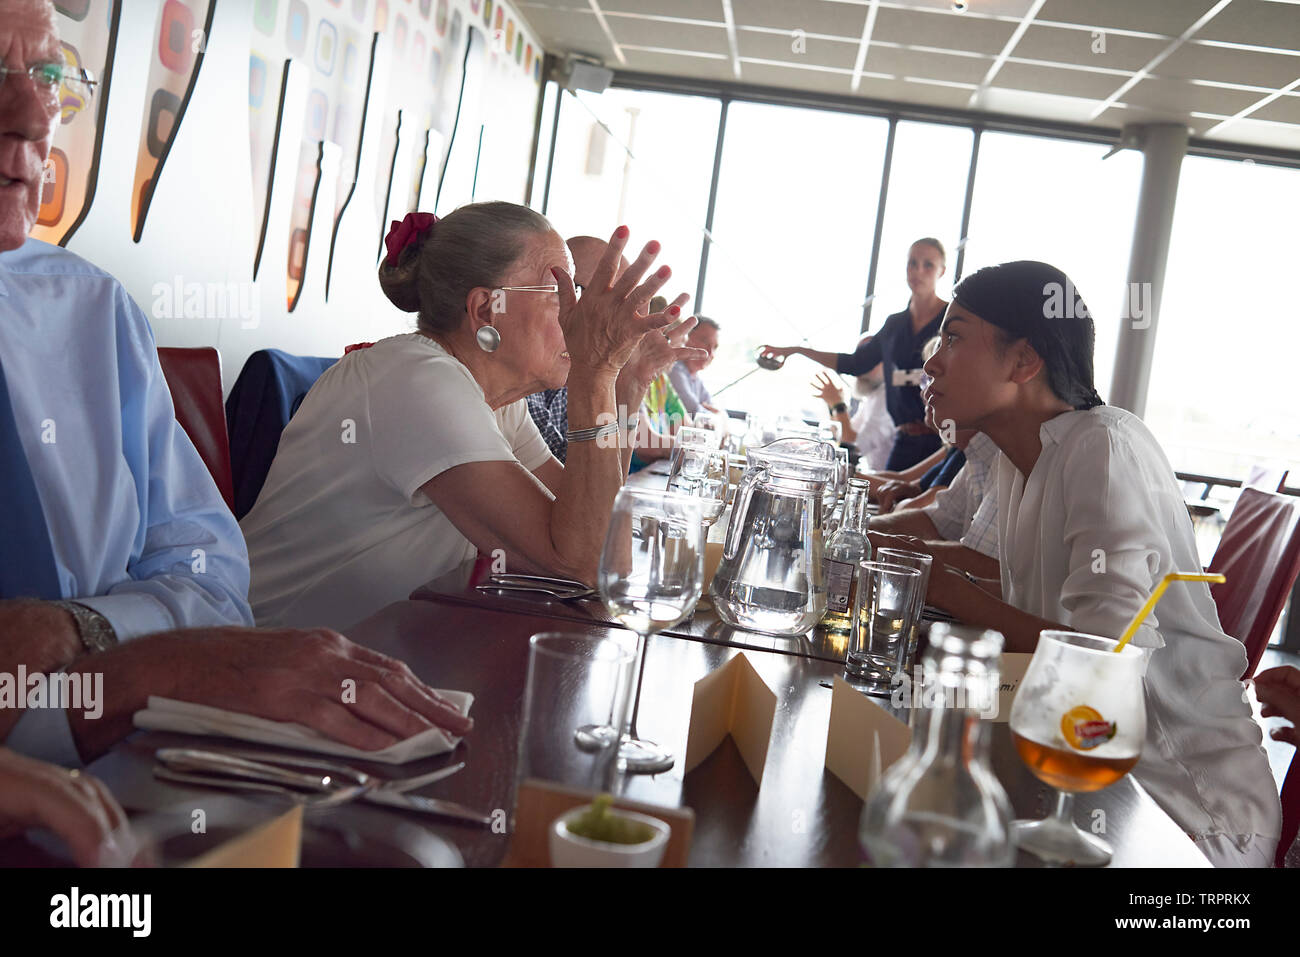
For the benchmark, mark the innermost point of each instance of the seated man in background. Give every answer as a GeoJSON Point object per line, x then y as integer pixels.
{"type": "Point", "coordinates": [661, 415]}
{"type": "Point", "coordinates": [685, 375]}
{"type": "Point", "coordinates": [961, 523]}
{"type": "Point", "coordinates": [549, 408]}
{"type": "Point", "coordinates": [111, 526]}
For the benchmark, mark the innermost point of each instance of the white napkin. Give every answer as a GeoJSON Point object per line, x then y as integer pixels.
{"type": "Point", "coordinates": [165, 714]}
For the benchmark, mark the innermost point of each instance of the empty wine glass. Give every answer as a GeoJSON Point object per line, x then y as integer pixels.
{"type": "Point", "coordinates": [651, 576]}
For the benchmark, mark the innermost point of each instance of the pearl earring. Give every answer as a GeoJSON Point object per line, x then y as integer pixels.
{"type": "Point", "coordinates": [489, 340]}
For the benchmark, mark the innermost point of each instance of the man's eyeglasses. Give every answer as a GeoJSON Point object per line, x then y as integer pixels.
{"type": "Point", "coordinates": [50, 78]}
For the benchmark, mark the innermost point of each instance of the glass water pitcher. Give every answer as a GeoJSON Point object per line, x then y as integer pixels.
{"type": "Point", "coordinates": [770, 578]}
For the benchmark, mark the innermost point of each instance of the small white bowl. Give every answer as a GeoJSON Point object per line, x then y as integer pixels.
{"type": "Point", "coordinates": [571, 850]}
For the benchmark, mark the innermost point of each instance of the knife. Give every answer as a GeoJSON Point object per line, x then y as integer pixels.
{"type": "Point", "coordinates": [426, 805]}
{"type": "Point", "coordinates": [225, 771]}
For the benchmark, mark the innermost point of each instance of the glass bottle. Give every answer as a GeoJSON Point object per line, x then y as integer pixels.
{"type": "Point", "coordinates": [847, 547]}
{"type": "Point", "coordinates": [940, 804]}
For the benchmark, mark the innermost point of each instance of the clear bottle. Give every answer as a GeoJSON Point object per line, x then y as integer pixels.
{"type": "Point", "coordinates": [940, 805]}
{"type": "Point", "coordinates": [847, 547]}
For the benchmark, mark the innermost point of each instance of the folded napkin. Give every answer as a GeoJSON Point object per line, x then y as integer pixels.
{"type": "Point", "coordinates": [165, 714]}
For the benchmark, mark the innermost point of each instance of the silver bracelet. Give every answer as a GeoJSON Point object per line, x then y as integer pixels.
{"type": "Point", "coordinates": [587, 435]}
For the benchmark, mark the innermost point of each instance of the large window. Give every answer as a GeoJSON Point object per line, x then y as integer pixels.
{"type": "Point", "coordinates": [1229, 303]}
{"type": "Point", "coordinates": [640, 159]}
{"type": "Point", "coordinates": [927, 187]}
{"type": "Point", "coordinates": [1059, 202]}
{"type": "Point", "coordinates": [792, 233]}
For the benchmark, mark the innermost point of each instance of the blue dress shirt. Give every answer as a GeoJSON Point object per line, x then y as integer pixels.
{"type": "Point", "coordinates": [139, 531]}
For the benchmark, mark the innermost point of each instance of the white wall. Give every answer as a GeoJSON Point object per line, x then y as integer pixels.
{"type": "Point", "coordinates": [199, 228]}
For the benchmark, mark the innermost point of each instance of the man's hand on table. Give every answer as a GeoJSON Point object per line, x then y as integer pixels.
{"type": "Point", "coordinates": [41, 637]}
{"type": "Point", "coordinates": [277, 674]}
{"type": "Point", "coordinates": [75, 806]}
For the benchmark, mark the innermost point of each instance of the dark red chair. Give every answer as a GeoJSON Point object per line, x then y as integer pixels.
{"type": "Point", "coordinates": [194, 378]}
{"type": "Point", "coordinates": [1259, 554]}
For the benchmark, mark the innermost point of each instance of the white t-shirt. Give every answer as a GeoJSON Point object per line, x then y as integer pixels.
{"type": "Point", "coordinates": [1084, 541]}
{"type": "Point", "coordinates": [875, 429]}
{"type": "Point", "coordinates": [341, 527]}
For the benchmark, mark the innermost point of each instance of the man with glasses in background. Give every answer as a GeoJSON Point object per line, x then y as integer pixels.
{"type": "Point", "coordinates": [112, 532]}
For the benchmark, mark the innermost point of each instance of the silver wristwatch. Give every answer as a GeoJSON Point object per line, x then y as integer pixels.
{"type": "Point", "coordinates": [95, 631]}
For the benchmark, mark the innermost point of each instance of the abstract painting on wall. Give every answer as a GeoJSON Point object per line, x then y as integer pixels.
{"type": "Point", "coordinates": [179, 42]}
{"type": "Point", "coordinates": [88, 34]}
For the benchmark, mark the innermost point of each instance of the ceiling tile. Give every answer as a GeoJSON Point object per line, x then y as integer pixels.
{"type": "Point", "coordinates": [810, 50]}
{"type": "Point", "coordinates": [667, 64]}
{"type": "Point", "coordinates": [1256, 22]}
{"type": "Point", "coordinates": [1272, 70]}
{"type": "Point", "coordinates": [1250, 130]}
{"type": "Point", "coordinates": [1046, 79]}
{"type": "Point", "coordinates": [988, 8]}
{"type": "Point", "coordinates": [810, 16]}
{"type": "Point", "coordinates": [670, 36]}
{"type": "Point", "coordinates": [1067, 109]}
{"type": "Point", "coordinates": [948, 30]}
{"type": "Point", "coordinates": [1179, 97]}
{"type": "Point", "coordinates": [570, 31]}
{"type": "Point", "coordinates": [686, 9]}
{"type": "Point", "coordinates": [932, 66]}
{"type": "Point", "coordinates": [924, 94]}
{"type": "Point", "coordinates": [1113, 51]}
{"type": "Point", "coordinates": [1166, 17]}
{"type": "Point", "coordinates": [802, 79]}
{"type": "Point", "coordinates": [1285, 109]}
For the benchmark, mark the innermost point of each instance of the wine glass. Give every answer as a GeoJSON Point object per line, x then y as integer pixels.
{"type": "Point", "coordinates": [702, 474]}
{"type": "Point", "coordinates": [651, 575]}
{"type": "Point", "coordinates": [1078, 722]}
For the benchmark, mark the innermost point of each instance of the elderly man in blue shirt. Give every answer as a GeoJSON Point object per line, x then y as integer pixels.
{"type": "Point", "coordinates": [112, 533]}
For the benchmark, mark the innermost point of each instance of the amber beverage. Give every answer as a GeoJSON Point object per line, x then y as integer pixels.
{"type": "Point", "coordinates": [1068, 770]}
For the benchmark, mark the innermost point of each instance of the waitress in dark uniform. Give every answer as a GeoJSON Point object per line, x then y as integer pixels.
{"type": "Point", "coordinates": [898, 345]}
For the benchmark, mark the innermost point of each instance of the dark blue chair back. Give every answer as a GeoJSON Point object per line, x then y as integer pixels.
{"type": "Point", "coordinates": [264, 398]}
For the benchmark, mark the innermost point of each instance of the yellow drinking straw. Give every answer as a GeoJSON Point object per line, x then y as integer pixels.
{"type": "Point", "coordinates": [1155, 597]}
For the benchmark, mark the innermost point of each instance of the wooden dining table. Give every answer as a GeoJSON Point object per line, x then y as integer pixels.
{"type": "Point", "coordinates": [800, 814]}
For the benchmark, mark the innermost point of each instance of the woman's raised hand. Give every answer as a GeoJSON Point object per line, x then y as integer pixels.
{"type": "Point", "coordinates": [603, 327]}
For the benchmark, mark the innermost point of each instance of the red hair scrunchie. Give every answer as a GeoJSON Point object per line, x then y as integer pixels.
{"type": "Point", "coordinates": [402, 234]}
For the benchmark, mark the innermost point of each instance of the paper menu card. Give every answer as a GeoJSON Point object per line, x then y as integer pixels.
{"type": "Point", "coordinates": [736, 701]}
{"type": "Point", "coordinates": [863, 739]}
{"type": "Point", "coordinates": [277, 843]}
{"type": "Point", "coordinates": [1013, 668]}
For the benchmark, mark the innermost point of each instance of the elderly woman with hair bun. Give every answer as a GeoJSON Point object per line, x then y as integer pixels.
{"type": "Point", "coordinates": [409, 456]}
{"type": "Point", "coordinates": [1090, 518]}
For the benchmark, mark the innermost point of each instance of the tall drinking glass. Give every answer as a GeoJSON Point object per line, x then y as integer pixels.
{"type": "Point", "coordinates": [702, 474]}
{"type": "Point", "coordinates": [577, 692]}
{"type": "Point", "coordinates": [1078, 721]}
{"type": "Point", "coordinates": [882, 618]}
{"type": "Point", "coordinates": [651, 576]}
{"type": "Point", "coordinates": [921, 562]}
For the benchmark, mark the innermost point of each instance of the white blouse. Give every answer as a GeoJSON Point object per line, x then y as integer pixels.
{"type": "Point", "coordinates": [1084, 541]}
